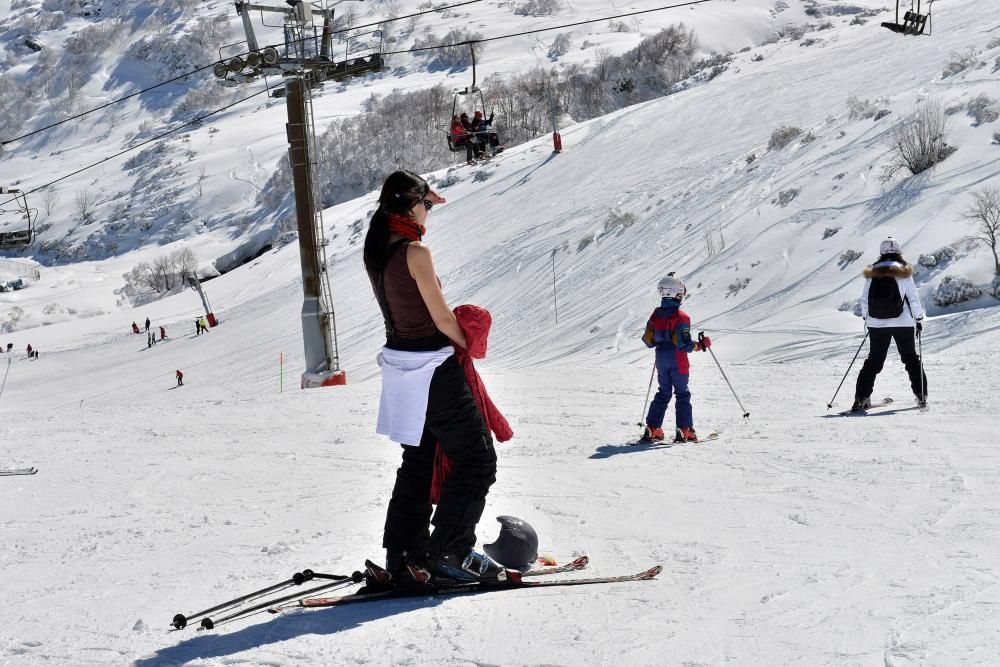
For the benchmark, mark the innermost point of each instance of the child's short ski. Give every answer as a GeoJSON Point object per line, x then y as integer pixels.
{"type": "Point", "coordinates": [512, 583]}
{"type": "Point", "coordinates": [654, 444]}
{"type": "Point", "coordinates": [18, 471]}
{"type": "Point", "coordinates": [878, 404]}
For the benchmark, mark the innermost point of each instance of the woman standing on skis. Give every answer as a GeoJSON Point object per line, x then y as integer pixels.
{"type": "Point", "coordinates": [892, 312]}
{"type": "Point", "coordinates": [426, 401]}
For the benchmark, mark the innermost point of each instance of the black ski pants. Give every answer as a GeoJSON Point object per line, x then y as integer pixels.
{"type": "Point", "coordinates": [453, 421]}
{"type": "Point", "coordinates": [879, 339]}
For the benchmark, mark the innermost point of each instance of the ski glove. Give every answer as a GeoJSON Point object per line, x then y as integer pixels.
{"type": "Point", "coordinates": [920, 326]}
{"type": "Point", "coordinates": [704, 342]}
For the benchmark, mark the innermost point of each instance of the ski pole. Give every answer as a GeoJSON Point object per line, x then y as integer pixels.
{"type": "Point", "coordinates": [297, 579]}
{"type": "Point", "coordinates": [923, 378]}
{"type": "Point", "coordinates": [830, 404]}
{"type": "Point", "coordinates": [642, 419]}
{"type": "Point", "coordinates": [701, 338]}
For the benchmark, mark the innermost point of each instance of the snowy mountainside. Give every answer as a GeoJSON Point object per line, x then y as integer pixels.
{"type": "Point", "coordinates": [203, 182]}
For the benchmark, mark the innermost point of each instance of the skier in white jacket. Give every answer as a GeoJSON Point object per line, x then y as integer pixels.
{"type": "Point", "coordinates": [892, 312]}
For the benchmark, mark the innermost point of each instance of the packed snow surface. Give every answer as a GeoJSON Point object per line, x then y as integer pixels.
{"type": "Point", "coordinates": [797, 537]}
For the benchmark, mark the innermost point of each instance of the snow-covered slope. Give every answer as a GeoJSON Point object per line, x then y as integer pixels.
{"type": "Point", "coordinates": [796, 538]}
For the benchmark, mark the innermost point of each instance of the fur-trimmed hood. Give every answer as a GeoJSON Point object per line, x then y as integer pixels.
{"type": "Point", "coordinates": [889, 270]}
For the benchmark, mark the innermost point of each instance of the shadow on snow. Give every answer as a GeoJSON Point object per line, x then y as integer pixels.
{"type": "Point", "coordinates": [284, 627]}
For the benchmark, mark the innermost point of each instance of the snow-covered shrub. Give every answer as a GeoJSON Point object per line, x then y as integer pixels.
{"type": "Point", "coordinates": [585, 241]}
{"type": "Point", "coordinates": [881, 113]}
{"type": "Point", "coordinates": [848, 257]}
{"type": "Point", "coordinates": [536, 7]}
{"type": "Point", "coordinates": [858, 108]}
{"type": "Point", "coordinates": [995, 287]}
{"type": "Point", "coordinates": [983, 109]}
{"type": "Point", "coordinates": [618, 220]}
{"type": "Point", "coordinates": [940, 257]}
{"type": "Point", "coordinates": [996, 139]}
{"type": "Point", "coordinates": [619, 26]}
{"type": "Point", "coordinates": [830, 231]}
{"type": "Point", "coordinates": [9, 322]}
{"type": "Point", "coordinates": [954, 290]}
{"type": "Point", "coordinates": [783, 136]}
{"type": "Point", "coordinates": [736, 286]}
{"type": "Point", "coordinates": [450, 179]}
{"type": "Point", "coordinates": [560, 46]}
{"type": "Point", "coordinates": [917, 143]}
{"type": "Point", "coordinates": [795, 32]}
{"type": "Point", "coordinates": [785, 197]}
{"type": "Point", "coordinates": [481, 176]}
{"type": "Point", "coordinates": [959, 62]}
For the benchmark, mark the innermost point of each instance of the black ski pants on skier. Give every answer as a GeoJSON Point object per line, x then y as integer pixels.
{"type": "Point", "coordinates": [879, 339]}
{"type": "Point", "coordinates": [453, 421]}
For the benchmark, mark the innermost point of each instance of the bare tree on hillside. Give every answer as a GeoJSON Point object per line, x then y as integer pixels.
{"type": "Point", "coordinates": [917, 143]}
{"type": "Point", "coordinates": [985, 212]}
{"type": "Point", "coordinates": [83, 204]}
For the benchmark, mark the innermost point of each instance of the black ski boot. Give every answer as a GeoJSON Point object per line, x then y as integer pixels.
{"type": "Point", "coordinates": [469, 567]}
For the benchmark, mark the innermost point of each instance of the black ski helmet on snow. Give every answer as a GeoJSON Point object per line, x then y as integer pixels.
{"type": "Point", "coordinates": [670, 287]}
{"type": "Point", "coordinates": [517, 545]}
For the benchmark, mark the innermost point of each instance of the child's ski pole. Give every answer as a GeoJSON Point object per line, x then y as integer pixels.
{"type": "Point", "coordinates": [701, 338]}
{"type": "Point", "coordinates": [642, 420]}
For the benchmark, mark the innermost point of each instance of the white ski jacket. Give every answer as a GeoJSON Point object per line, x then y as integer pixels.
{"type": "Point", "coordinates": [903, 273]}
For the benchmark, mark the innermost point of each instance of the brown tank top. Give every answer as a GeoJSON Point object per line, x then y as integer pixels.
{"type": "Point", "coordinates": [408, 324]}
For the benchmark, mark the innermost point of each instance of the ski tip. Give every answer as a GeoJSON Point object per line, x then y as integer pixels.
{"type": "Point", "coordinates": [651, 572]}
{"type": "Point", "coordinates": [580, 562]}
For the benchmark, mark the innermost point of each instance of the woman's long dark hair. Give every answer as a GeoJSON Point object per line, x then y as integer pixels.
{"type": "Point", "coordinates": [401, 190]}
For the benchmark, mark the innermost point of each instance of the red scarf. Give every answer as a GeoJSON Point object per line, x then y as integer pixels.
{"type": "Point", "coordinates": [406, 227]}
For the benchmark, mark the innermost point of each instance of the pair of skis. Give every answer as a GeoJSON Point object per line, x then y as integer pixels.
{"type": "Point", "coordinates": [885, 402]}
{"type": "Point", "coordinates": [9, 472]}
{"type": "Point", "coordinates": [713, 435]}
{"type": "Point", "coordinates": [308, 599]}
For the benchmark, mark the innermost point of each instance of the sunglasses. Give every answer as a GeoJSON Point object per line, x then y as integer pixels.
{"type": "Point", "coordinates": [428, 204]}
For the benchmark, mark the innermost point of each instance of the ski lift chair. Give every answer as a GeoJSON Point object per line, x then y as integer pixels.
{"type": "Point", "coordinates": [914, 21]}
{"type": "Point", "coordinates": [472, 90]}
{"type": "Point", "coordinates": [22, 235]}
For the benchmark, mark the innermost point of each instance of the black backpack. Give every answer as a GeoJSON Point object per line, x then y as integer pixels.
{"type": "Point", "coordinates": [884, 300]}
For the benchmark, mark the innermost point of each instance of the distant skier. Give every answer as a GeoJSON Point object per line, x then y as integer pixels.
{"type": "Point", "coordinates": [892, 311]}
{"type": "Point", "coordinates": [36, 353]}
{"type": "Point", "coordinates": [669, 331]}
{"type": "Point", "coordinates": [29, 349]}
{"type": "Point", "coordinates": [135, 327]}
{"type": "Point", "coordinates": [180, 378]}
{"type": "Point", "coordinates": [147, 324]}
{"type": "Point", "coordinates": [149, 340]}
{"type": "Point", "coordinates": [197, 326]}
{"type": "Point", "coordinates": [10, 346]}
{"type": "Point", "coordinates": [204, 325]}
{"type": "Point", "coordinates": [163, 333]}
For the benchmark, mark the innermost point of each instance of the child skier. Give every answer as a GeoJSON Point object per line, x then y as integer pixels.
{"type": "Point", "coordinates": [669, 331]}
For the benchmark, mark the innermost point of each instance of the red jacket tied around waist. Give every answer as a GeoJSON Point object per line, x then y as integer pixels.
{"type": "Point", "coordinates": [475, 323]}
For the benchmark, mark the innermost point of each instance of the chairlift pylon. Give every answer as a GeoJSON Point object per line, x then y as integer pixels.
{"type": "Point", "coordinates": [914, 21]}
{"type": "Point", "coordinates": [17, 220]}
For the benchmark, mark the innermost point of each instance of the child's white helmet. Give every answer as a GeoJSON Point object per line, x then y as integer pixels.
{"type": "Point", "coordinates": [671, 288]}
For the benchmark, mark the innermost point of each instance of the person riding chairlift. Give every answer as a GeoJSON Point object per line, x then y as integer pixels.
{"type": "Point", "coordinates": [481, 127]}
{"type": "Point", "coordinates": [461, 135]}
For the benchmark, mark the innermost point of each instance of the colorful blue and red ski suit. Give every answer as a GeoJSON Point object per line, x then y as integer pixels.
{"type": "Point", "coordinates": [669, 331]}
